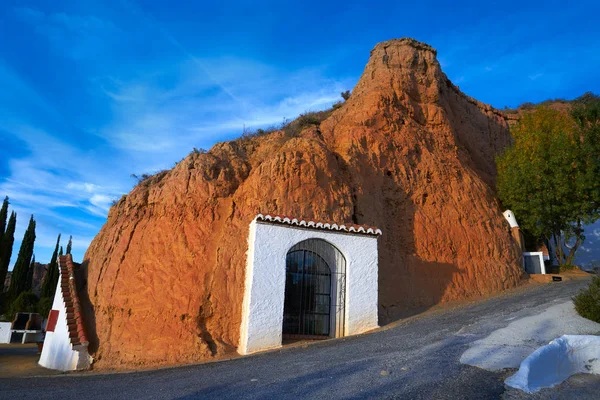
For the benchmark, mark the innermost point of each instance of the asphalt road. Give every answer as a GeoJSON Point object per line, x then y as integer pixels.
{"type": "Point", "coordinates": [414, 359]}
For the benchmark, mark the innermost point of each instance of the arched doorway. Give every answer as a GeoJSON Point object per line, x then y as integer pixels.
{"type": "Point", "coordinates": [314, 302]}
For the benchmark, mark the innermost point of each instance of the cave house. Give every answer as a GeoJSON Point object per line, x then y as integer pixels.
{"type": "Point", "coordinates": [307, 280]}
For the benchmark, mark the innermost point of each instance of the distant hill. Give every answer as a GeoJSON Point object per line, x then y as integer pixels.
{"type": "Point", "coordinates": [39, 273]}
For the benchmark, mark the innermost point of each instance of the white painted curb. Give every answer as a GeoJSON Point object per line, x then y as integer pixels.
{"type": "Point", "coordinates": [552, 364]}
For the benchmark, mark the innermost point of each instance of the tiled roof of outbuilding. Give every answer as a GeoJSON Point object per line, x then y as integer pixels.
{"type": "Point", "coordinates": [347, 228]}
{"type": "Point", "coordinates": [71, 299]}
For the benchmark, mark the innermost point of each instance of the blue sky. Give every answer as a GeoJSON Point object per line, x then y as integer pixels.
{"type": "Point", "coordinates": [91, 93]}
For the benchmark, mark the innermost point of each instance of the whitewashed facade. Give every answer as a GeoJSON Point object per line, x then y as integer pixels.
{"type": "Point", "coordinates": [269, 244]}
{"type": "Point", "coordinates": [65, 346]}
{"type": "Point", "coordinates": [5, 332]}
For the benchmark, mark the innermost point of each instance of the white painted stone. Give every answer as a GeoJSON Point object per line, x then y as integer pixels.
{"type": "Point", "coordinates": [509, 346]}
{"type": "Point", "coordinates": [510, 217]}
{"type": "Point", "coordinates": [58, 353]}
{"type": "Point", "coordinates": [262, 310]}
{"type": "Point", "coordinates": [5, 332]}
{"type": "Point", "coordinates": [552, 364]}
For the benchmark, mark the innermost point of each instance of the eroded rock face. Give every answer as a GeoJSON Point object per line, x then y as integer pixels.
{"type": "Point", "coordinates": [408, 153]}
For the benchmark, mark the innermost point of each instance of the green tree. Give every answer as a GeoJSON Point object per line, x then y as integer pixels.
{"type": "Point", "coordinates": [549, 177]}
{"type": "Point", "coordinates": [29, 282]}
{"type": "Point", "coordinates": [6, 246]}
{"type": "Point", "coordinates": [69, 244]}
{"type": "Point", "coordinates": [18, 282]}
{"type": "Point", "coordinates": [25, 302]}
{"type": "Point", "coordinates": [587, 301]}
{"type": "Point", "coordinates": [51, 278]}
{"type": "Point", "coordinates": [3, 216]}
{"type": "Point", "coordinates": [44, 306]}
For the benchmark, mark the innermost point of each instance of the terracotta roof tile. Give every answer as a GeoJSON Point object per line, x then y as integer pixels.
{"type": "Point", "coordinates": [348, 228]}
{"type": "Point", "coordinates": [71, 299]}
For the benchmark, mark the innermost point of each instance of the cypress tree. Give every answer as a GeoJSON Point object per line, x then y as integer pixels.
{"type": "Point", "coordinates": [3, 216]}
{"type": "Point", "coordinates": [7, 245]}
{"type": "Point", "coordinates": [60, 253]}
{"type": "Point", "coordinates": [69, 244]}
{"type": "Point", "coordinates": [51, 278]}
{"type": "Point", "coordinates": [29, 282]}
{"type": "Point", "coordinates": [18, 283]}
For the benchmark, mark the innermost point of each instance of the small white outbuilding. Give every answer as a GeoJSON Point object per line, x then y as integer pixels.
{"type": "Point", "coordinates": [533, 262]}
{"type": "Point", "coordinates": [307, 280]}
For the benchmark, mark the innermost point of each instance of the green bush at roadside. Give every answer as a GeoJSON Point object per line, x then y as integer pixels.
{"type": "Point", "coordinates": [587, 301]}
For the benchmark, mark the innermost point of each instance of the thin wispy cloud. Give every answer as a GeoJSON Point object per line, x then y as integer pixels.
{"type": "Point", "coordinates": [194, 112]}
{"type": "Point", "coordinates": [536, 76]}
{"type": "Point", "coordinates": [152, 118]}
{"type": "Point", "coordinates": [75, 36]}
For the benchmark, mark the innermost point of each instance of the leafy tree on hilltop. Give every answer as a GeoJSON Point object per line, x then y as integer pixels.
{"type": "Point", "coordinates": [550, 177]}
{"type": "Point", "coordinates": [51, 278]}
{"type": "Point", "coordinates": [588, 98]}
{"type": "Point", "coordinates": [6, 246]}
{"type": "Point", "coordinates": [18, 282]}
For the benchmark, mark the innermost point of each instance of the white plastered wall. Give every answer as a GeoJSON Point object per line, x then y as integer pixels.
{"type": "Point", "coordinates": [58, 352]}
{"type": "Point", "coordinates": [5, 332]}
{"type": "Point", "coordinates": [262, 312]}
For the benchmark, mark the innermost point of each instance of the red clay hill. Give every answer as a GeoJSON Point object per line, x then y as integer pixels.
{"type": "Point", "coordinates": [407, 152]}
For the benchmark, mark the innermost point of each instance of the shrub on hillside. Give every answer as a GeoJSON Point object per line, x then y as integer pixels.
{"type": "Point", "coordinates": [197, 151]}
{"type": "Point", "coordinates": [527, 106]}
{"type": "Point", "coordinates": [337, 104]}
{"type": "Point", "coordinates": [587, 301]}
{"type": "Point", "coordinates": [248, 134]}
{"type": "Point", "coordinates": [567, 267]}
{"type": "Point", "coordinates": [304, 120]}
{"type": "Point", "coordinates": [309, 118]}
{"type": "Point", "coordinates": [26, 302]}
{"type": "Point", "coordinates": [587, 97]}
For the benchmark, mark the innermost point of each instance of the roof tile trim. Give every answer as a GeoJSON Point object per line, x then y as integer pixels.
{"type": "Point", "coordinates": [348, 228]}
{"type": "Point", "coordinates": [71, 299]}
